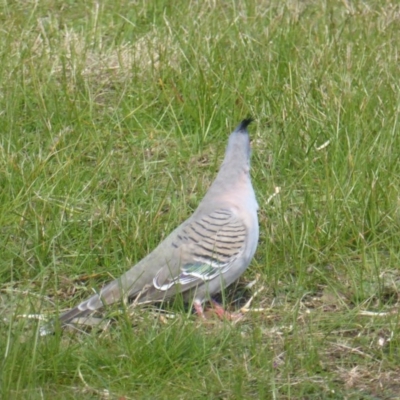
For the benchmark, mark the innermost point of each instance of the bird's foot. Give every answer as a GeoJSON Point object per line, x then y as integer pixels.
{"type": "Point", "coordinates": [217, 310]}
{"type": "Point", "coordinates": [223, 314]}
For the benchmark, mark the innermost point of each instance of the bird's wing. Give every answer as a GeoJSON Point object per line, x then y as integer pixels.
{"type": "Point", "coordinates": [206, 248]}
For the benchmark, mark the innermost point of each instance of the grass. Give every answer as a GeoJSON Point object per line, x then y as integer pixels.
{"type": "Point", "coordinates": [114, 119]}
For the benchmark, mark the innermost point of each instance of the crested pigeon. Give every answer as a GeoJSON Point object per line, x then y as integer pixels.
{"type": "Point", "coordinates": [206, 253]}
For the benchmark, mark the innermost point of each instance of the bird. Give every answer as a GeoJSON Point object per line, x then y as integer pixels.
{"type": "Point", "coordinates": [202, 256]}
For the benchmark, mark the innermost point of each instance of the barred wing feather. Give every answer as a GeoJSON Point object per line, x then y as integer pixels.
{"type": "Point", "coordinates": [210, 245]}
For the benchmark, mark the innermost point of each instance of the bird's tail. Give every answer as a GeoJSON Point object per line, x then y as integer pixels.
{"type": "Point", "coordinates": [76, 312]}
{"type": "Point", "coordinates": [64, 319]}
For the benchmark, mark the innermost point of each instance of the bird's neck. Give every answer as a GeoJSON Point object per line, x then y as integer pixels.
{"type": "Point", "coordinates": [232, 188]}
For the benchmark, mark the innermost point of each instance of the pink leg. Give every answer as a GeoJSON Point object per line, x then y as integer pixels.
{"type": "Point", "coordinates": [199, 309]}
{"type": "Point", "coordinates": [221, 313]}
{"type": "Point", "coordinates": [219, 310]}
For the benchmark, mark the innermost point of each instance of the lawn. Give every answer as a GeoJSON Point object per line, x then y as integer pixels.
{"type": "Point", "coordinates": [114, 117]}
